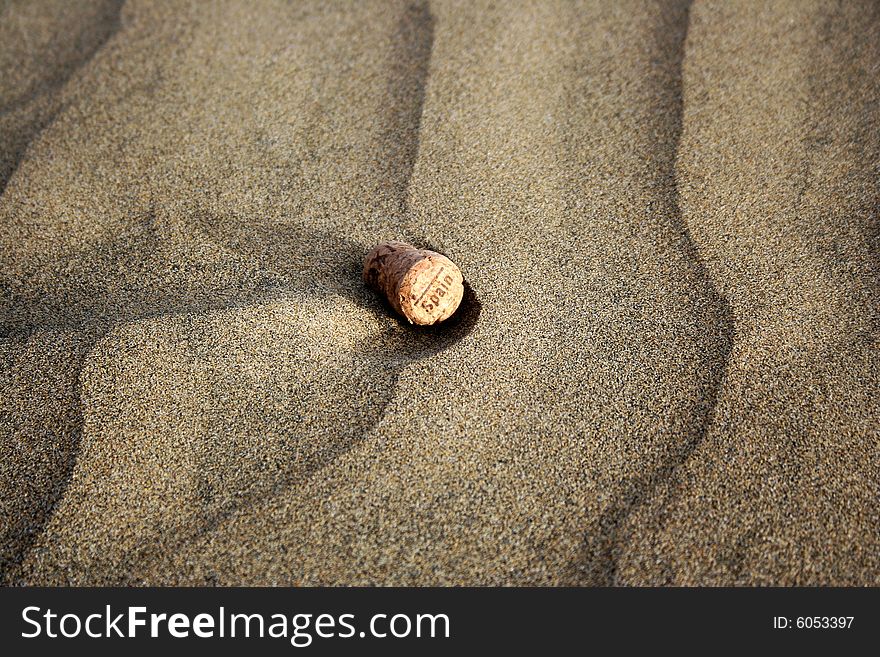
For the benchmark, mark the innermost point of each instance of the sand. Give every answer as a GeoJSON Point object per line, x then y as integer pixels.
{"type": "Point", "coordinates": [665, 369]}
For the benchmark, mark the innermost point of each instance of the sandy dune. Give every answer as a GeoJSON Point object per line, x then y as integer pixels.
{"type": "Point", "coordinates": [666, 367]}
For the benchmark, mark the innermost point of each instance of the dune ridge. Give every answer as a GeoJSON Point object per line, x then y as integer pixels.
{"type": "Point", "coordinates": [664, 370]}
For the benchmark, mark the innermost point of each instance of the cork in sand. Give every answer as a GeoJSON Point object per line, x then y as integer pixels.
{"type": "Point", "coordinates": [423, 286]}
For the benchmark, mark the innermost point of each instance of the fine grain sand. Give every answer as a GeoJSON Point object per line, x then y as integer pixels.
{"type": "Point", "coordinates": [665, 369]}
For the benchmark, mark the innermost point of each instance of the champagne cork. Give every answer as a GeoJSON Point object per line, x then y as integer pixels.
{"type": "Point", "coordinates": [423, 286]}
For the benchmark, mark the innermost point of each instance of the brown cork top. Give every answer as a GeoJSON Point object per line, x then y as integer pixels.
{"type": "Point", "coordinates": [423, 286]}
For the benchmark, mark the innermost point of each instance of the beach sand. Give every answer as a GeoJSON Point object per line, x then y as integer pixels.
{"type": "Point", "coordinates": [665, 369]}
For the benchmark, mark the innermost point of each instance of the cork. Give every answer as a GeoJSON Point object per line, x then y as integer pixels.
{"type": "Point", "coordinates": [423, 286]}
